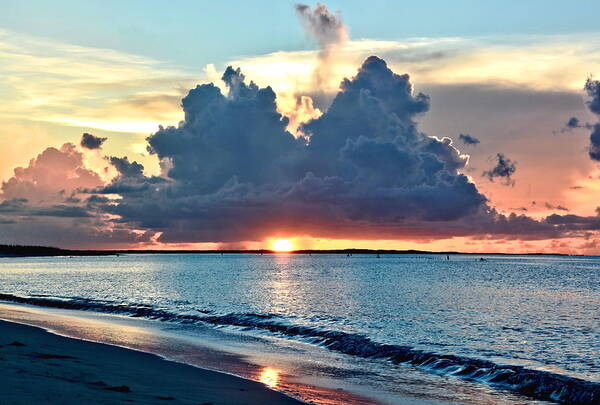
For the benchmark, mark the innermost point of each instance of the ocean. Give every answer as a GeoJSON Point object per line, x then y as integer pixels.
{"type": "Point", "coordinates": [396, 329]}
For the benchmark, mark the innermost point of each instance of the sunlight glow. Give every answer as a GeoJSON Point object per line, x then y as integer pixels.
{"type": "Point", "coordinates": [269, 376]}
{"type": "Point", "coordinates": [282, 245]}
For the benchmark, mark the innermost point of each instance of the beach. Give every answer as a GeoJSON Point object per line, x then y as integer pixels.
{"type": "Point", "coordinates": [41, 367]}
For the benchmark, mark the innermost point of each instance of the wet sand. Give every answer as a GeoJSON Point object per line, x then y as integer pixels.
{"type": "Point", "coordinates": [40, 367]}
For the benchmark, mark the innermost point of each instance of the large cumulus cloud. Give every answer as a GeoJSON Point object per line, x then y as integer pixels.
{"type": "Point", "coordinates": [363, 169]}
{"type": "Point", "coordinates": [240, 135]}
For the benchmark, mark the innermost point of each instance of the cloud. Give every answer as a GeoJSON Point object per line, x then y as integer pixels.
{"type": "Point", "coordinates": [361, 170]}
{"type": "Point", "coordinates": [328, 31]}
{"type": "Point", "coordinates": [90, 233]}
{"type": "Point", "coordinates": [574, 123]}
{"type": "Point", "coordinates": [232, 172]}
{"type": "Point", "coordinates": [468, 139]}
{"type": "Point", "coordinates": [504, 169]}
{"type": "Point", "coordinates": [43, 204]}
{"type": "Point", "coordinates": [50, 177]}
{"type": "Point", "coordinates": [298, 110]}
{"type": "Point", "coordinates": [322, 25]}
{"type": "Point", "coordinates": [551, 206]}
{"type": "Point", "coordinates": [518, 61]}
{"type": "Point", "coordinates": [48, 81]}
{"type": "Point", "coordinates": [89, 141]}
{"type": "Point", "coordinates": [127, 168]}
{"type": "Point", "coordinates": [237, 174]}
{"type": "Point", "coordinates": [19, 207]}
{"type": "Point", "coordinates": [592, 87]}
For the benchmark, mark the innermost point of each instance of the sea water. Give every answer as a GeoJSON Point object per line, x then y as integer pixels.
{"type": "Point", "coordinates": [525, 327]}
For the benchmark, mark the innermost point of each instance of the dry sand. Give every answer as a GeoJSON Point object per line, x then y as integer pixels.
{"type": "Point", "coordinates": [37, 367]}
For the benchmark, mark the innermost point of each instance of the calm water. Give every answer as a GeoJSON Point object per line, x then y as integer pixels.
{"type": "Point", "coordinates": [542, 313]}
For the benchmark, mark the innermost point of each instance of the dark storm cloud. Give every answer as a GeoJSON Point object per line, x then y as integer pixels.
{"type": "Point", "coordinates": [130, 179]}
{"type": "Point", "coordinates": [575, 222]}
{"type": "Point", "coordinates": [504, 169]}
{"type": "Point", "coordinates": [240, 136]}
{"type": "Point", "coordinates": [70, 232]}
{"type": "Point", "coordinates": [363, 168]}
{"type": "Point", "coordinates": [90, 141]}
{"type": "Point", "coordinates": [592, 87]}
{"type": "Point", "coordinates": [362, 171]}
{"type": "Point", "coordinates": [12, 206]}
{"type": "Point", "coordinates": [127, 168]}
{"type": "Point", "coordinates": [62, 210]}
{"type": "Point", "coordinates": [468, 139]}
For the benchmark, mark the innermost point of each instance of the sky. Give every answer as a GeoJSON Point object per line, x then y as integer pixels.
{"type": "Point", "coordinates": [467, 126]}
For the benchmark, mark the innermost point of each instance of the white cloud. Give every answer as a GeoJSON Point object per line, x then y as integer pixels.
{"type": "Point", "coordinates": [68, 84]}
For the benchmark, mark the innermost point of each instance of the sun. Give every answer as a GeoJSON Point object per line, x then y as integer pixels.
{"type": "Point", "coordinates": [282, 245]}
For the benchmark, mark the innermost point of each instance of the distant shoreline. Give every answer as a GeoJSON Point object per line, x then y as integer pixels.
{"type": "Point", "coordinates": [41, 251]}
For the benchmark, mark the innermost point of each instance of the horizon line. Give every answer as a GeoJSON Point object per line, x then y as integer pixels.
{"type": "Point", "coordinates": [26, 250]}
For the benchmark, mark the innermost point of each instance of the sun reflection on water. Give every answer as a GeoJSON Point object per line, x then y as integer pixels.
{"type": "Point", "coordinates": [269, 376]}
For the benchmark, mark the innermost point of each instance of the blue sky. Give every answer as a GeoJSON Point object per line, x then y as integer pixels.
{"type": "Point", "coordinates": [194, 33]}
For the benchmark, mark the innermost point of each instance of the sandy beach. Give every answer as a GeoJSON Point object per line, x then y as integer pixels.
{"type": "Point", "coordinates": [40, 367]}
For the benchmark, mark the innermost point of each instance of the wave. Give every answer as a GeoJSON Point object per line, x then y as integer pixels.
{"type": "Point", "coordinates": [536, 384]}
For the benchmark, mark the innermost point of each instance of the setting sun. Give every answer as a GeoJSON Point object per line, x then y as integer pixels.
{"type": "Point", "coordinates": [282, 245]}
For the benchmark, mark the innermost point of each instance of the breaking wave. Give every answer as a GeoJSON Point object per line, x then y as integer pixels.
{"type": "Point", "coordinates": [536, 384]}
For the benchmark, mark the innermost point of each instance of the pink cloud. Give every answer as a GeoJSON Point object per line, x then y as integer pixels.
{"type": "Point", "coordinates": [51, 176]}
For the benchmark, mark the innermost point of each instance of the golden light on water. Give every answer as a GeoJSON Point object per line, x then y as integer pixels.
{"type": "Point", "coordinates": [269, 376]}
{"type": "Point", "coordinates": [282, 245]}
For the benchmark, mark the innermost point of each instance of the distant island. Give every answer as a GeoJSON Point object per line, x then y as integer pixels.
{"type": "Point", "coordinates": [40, 251]}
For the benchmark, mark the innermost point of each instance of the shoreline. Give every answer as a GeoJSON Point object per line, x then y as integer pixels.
{"type": "Point", "coordinates": [130, 335]}
{"type": "Point", "coordinates": [42, 367]}
{"type": "Point", "coordinates": [120, 332]}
